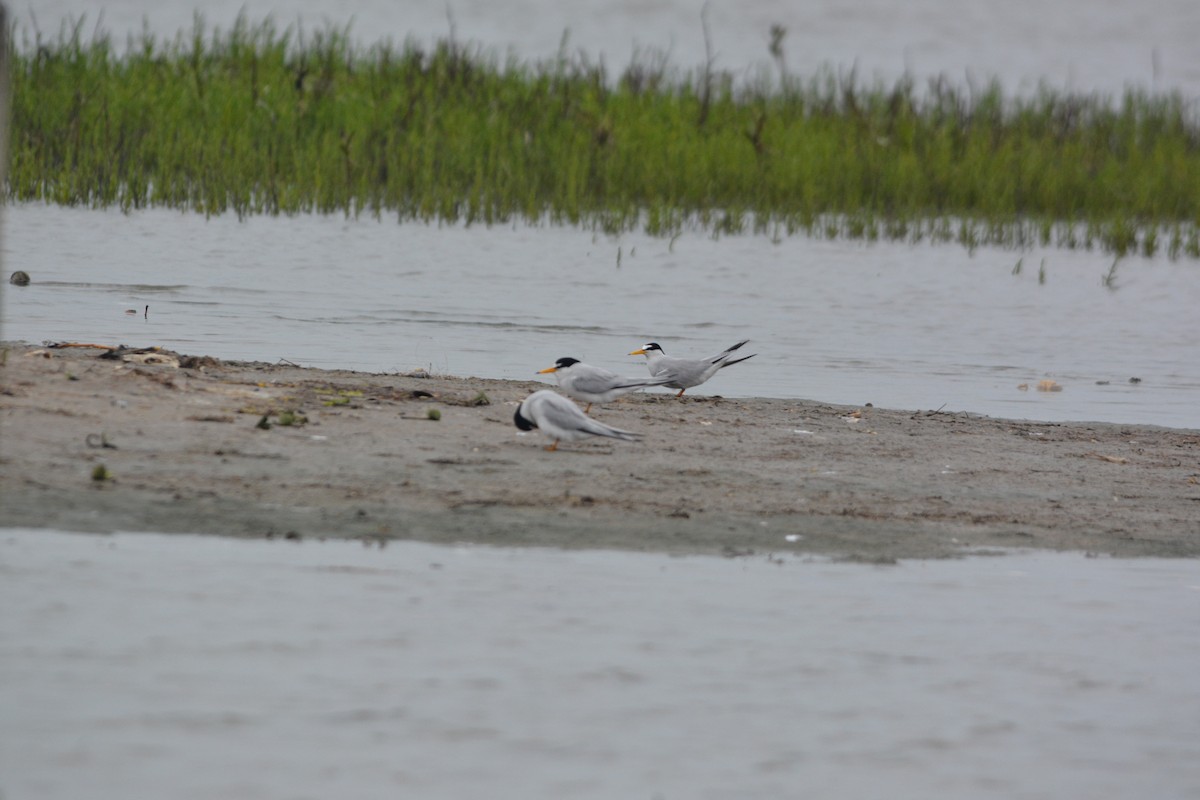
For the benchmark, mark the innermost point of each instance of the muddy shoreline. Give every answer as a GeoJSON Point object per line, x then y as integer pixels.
{"type": "Point", "coordinates": [180, 449]}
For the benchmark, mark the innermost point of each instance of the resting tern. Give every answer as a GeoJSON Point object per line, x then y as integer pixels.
{"type": "Point", "coordinates": [561, 420]}
{"type": "Point", "coordinates": [590, 384]}
{"type": "Point", "coordinates": [684, 373]}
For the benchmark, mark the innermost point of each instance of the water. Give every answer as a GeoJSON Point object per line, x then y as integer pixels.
{"type": "Point", "coordinates": [907, 327]}
{"type": "Point", "coordinates": [900, 326]}
{"type": "Point", "coordinates": [192, 667]}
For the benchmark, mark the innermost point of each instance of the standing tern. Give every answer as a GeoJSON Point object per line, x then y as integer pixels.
{"type": "Point", "coordinates": [684, 373]}
{"type": "Point", "coordinates": [561, 420]}
{"type": "Point", "coordinates": [590, 384]}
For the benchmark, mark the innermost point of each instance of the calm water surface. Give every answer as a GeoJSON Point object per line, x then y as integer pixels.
{"type": "Point", "coordinates": [900, 326]}
{"type": "Point", "coordinates": [194, 667]}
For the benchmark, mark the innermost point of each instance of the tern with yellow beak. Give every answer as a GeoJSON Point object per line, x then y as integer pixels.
{"type": "Point", "coordinates": [561, 420]}
{"type": "Point", "coordinates": [589, 384]}
{"type": "Point", "coordinates": [684, 373]}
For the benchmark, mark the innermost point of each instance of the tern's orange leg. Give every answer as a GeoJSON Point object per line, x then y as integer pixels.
{"type": "Point", "coordinates": [588, 410]}
{"type": "Point", "coordinates": [681, 391]}
{"type": "Point", "coordinates": [550, 448]}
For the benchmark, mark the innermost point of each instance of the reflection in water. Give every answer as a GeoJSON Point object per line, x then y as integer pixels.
{"type": "Point", "coordinates": [900, 326]}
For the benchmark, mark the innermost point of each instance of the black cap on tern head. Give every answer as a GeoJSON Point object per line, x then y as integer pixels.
{"type": "Point", "coordinates": [521, 422]}
{"type": "Point", "coordinates": [652, 346]}
{"type": "Point", "coordinates": [563, 363]}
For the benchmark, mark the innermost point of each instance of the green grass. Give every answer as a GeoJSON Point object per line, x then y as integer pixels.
{"type": "Point", "coordinates": [255, 120]}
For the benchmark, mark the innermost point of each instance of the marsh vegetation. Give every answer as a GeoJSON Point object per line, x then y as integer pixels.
{"type": "Point", "coordinates": [259, 120]}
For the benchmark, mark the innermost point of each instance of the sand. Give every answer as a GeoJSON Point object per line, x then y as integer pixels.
{"type": "Point", "coordinates": [107, 444]}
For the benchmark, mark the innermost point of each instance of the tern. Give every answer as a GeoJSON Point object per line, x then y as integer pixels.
{"type": "Point", "coordinates": [684, 373]}
{"type": "Point", "coordinates": [561, 420]}
{"type": "Point", "coordinates": [590, 384]}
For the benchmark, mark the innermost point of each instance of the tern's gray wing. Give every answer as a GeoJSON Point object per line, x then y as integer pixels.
{"type": "Point", "coordinates": [559, 417]}
{"type": "Point", "coordinates": [599, 381]}
{"type": "Point", "coordinates": [600, 429]}
{"type": "Point", "coordinates": [684, 372]}
{"type": "Point", "coordinates": [726, 353]}
{"type": "Point", "coordinates": [595, 380]}
{"type": "Point", "coordinates": [656, 380]}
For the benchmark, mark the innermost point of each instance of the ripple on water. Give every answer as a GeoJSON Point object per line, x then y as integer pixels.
{"type": "Point", "coordinates": [901, 326]}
